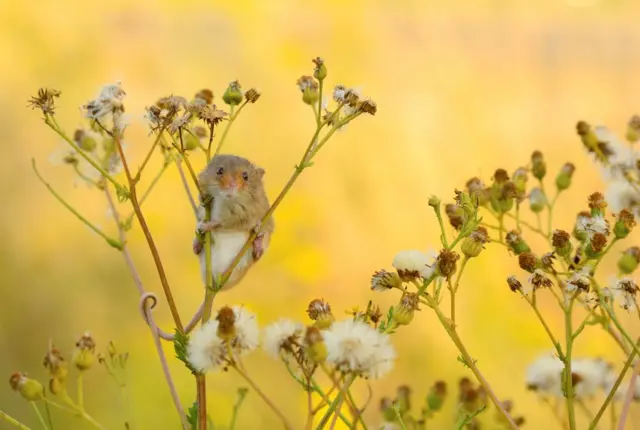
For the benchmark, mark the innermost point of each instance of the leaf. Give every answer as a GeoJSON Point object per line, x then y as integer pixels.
{"type": "Point", "coordinates": [180, 343]}
{"type": "Point", "coordinates": [192, 416]}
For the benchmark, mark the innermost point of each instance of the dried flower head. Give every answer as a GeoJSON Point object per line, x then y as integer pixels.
{"type": "Point", "coordinates": [625, 290]}
{"type": "Point", "coordinates": [446, 263]}
{"type": "Point", "coordinates": [539, 279]}
{"type": "Point", "coordinates": [84, 354]}
{"type": "Point", "coordinates": [597, 203]}
{"type": "Point", "coordinates": [354, 346]}
{"type": "Point", "coordinates": [320, 70]}
{"type": "Point", "coordinates": [403, 313]}
{"type": "Point", "coordinates": [383, 281]}
{"type": "Point", "coordinates": [109, 101]}
{"type": "Point", "coordinates": [211, 114]}
{"type": "Point", "coordinates": [561, 242]}
{"type": "Point", "coordinates": [514, 284]}
{"type": "Point", "coordinates": [252, 95]}
{"type": "Point", "coordinates": [368, 106]}
{"type": "Point", "coordinates": [309, 88]}
{"type": "Point", "coordinates": [30, 389]}
{"type": "Point", "coordinates": [226, 318]}
{"type": "Point", "coordinates": [410, 264]}
{"type": "Point", "coordinates": [44, 100]}
{"type": "Point", "coordinates": [538, 165]}
{"type": "Point", "coordinates": [320, 312]}
{"type": "Point", "coordinates": [547, 261]}
{"type": "Point", "coordinates": [528, 261]}
{"type": "Point", "coordinates": [247, 332]}
{"type": "Point", "coordinates": [283, 336]}
{"type": "Point", "coordinates": [596, 245]}
{"type": "Point", "coordinates": [625, 222]}
{"type": "Point", "coordinates": [455, 214]}
{"type": "Point", "coordinates": [579, 281]}
{"type": "Point", "coordinates": [563, 180]}
{"type": "Point", "coordinates": [56, 364]}
{"type": "Point", "coordinates": [500, 176]}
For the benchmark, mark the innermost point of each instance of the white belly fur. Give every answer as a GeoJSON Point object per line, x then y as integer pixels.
{"type": "Point", "coordinates": [224, 248]}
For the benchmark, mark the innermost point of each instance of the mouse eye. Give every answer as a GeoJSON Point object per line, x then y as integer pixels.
{"type": "Point", "coordinates": [220, 171]}
{"type": "Point", "coordinates": [245, 176]}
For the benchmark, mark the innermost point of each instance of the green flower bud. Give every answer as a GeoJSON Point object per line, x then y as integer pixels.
{"type": "Point", "coordinates": [478, 192]}
{"type": "Point", "coordinates": [561, 243]}
{"type": "Point", "coordinates": [503, 192]}
{"type": "Point", "coordinates": [474, 243]}
{"type": "Point", "coordinates": [437, 395]}
{"type": "Point", "coordinates": [434, 202]}
{"type": "Point", "coordinates": [563, 180]}
{"type": "Point", "coordinates": [403, 401]}
{"type": "Point", "coordinates": [320, 70]}
{"type": "Point", "coordinates": [29, 389]}
{"type": "Point", "coordinates": [233, 94]}
{"type": "Point", "coordinates": [624, 224]}
{"type": "Point", "coordinates": [86, 141]}
{"type": "Point", "coordinates": [387, 410]}
{"type": "Point", "coordinates": [55, 363]}
{"type": "Point", "coordinates": [516, 242]}
{"type": "Point", "coordinates": [84, 354]}
{"type": "Point", "coordinates": [383, 281]}
{"type": "Point", "coordinates": [538, 165]}
{"type": "Point", "coordinates": [190, 141]}
{"type": "Point", "coordinates": [633, 129]}
{"type": "Point", "coordinates": [314, 346]}
{"type": "Point", "coordinates": [309, 88]}
{"type": "Point", "coordinates": [579, 230]}
{"type": "Point", "coordinates": [629, 261]}
{"type": "Point", "coordinates": [320, 312]}
{"type": "Point", "coordinates": [56, 386]}
{"type": "Point", "coordinates": [403, 313]}
{"type": "Point", "coordinates": [597, 204]}
{"type": "Point", "coordinates": [537, 200]}
{"type": "Point", "coordinates": [520, 178]}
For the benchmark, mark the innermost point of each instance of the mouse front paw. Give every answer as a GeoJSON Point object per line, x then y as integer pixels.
{"type": "Point", "coordinates": [197, 245]}
{"type": "Point", "coordinates": [205, 226]}
{"type": "Point", "coordinates": [258, 247]}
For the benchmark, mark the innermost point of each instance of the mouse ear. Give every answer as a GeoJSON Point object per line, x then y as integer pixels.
{"type": "Point", "coordinates": [259, 171]}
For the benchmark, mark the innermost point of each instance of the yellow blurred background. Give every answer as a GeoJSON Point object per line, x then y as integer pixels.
{"type": "Point", "coordinates": [462, 88]}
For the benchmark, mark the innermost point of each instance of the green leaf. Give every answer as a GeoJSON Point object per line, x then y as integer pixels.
{"type": "Point", "coordinates": [192, 416]}
{"type": "Point", "coordinates": [180, 343]}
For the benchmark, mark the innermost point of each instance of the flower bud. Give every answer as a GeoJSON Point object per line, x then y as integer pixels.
{"type": "Point", "coordinates": [624, 224]}
{"type": "Point", "coordinates": [516, 243]}
{"type": "Point", "coordinates": [434, 202]}
{"type": "Point", "coordinates": [84, 354]}
{"type": "Point", "coordinates": [55, 363]}
{"type": "Point", "coordinates": [587, 135]}
{"type": "Point", "coordinates": [597, 204]}
{"type": "Point", "coordinates": [502, 192]}
{"type": "Point", "coordinates": [561, 243]}
{"type": "Point", "coordinates": [629, 261]}
{"type": "Point", "coordinates": [403, 313]}
{"type": "Point", "coordinates": [474, 244]}
{"type": "Point", "coordinates": [538, 165]}
{"type": "Point", "coordinates": [520, 178]}
{"type": "Point", "coordinates": [437, 395]}
{"type": "Point", "coordinates": [383, 281]}
{"type": "Point", "coordinates": [579, 231]}
{"type": "Point", "coordinates": [596, 245]}
{"type": "Point", "coordinates": [563, 180]}
{"type": "Point", "coordinates": [56, 386]}
{"type": "Point", "coordinates": [528, 262]}
{"type": "Point", "coordinates": [30, 389]}
{"type": "Point", "coordinates": [86, 141]}
{"type": "Point", "coordinates": [387, 410]}
{"type": "Point", "coordinates": [403, 400]}
{"type": "Point", "coordinates": [315, 348]}
{"type": "Point", "coordinates": [455, 215]}
{"type": "Point", "coordinates": [320, 312]}
{"type": "Point", "coordinates": [205, 95]}
{"type": "Point", "coordinates": [252, 95]}
{"type": "Point", "coordinates": [226, 323]}
{"type": "Point", "coordinates": [190, 141]}
{"type": "Point", "coordinates": [446, 263]}
{"type": "Point", "coordinates": [514, 284]}
{"type": "Point", "coordinates": [309, 88]}
{"type": "Point", "coordinates": [537, 200]}
{"type": "Point", "coordinates": [633, 129]}
{"type": "Point", "coordinates": [320, 70]}
{"type": "Point", "coordinates": [477, 191]}
{"type": "Point", "coordinates": [233, 94]}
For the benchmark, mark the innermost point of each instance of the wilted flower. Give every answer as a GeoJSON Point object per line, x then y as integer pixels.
{"type": "Point", "coordinates": [579, 281]}
{"type": "Point", "coordinates": [354, 346]}
{"type": "Point", "coordinates": [109, 101]}
{"type": "Point", "coordinates": [56, 364]}
{"type": "Point", "coordinates": [84, 354]}
{"type": "Point", "coordinates": [528, 261]}
{"type": "Point", "coordinates": [561, 241]}
{"type": "Point", "coordinates": [383, 281]}
{"type": "Point", "coordinates": [403, 313]}
{"type": "Point", "coordinates": [625, 290]}
{"type": "Point", "coordinates": [252, 95]}
{"type": "Point", "coordinates": [597, 204]}
{"type": "Point", "coordinates": [283, 335]}
{"type": "Point", "coordinates": [539, 279]}
{"type": "Point", "coordinates": [320, 312]}
{"type": "Point", "coordinates": [45, 100]}
{"type": "Point", "coordinates": [514, 284]}
{"type": "Point", "coordinates": [446, 263]}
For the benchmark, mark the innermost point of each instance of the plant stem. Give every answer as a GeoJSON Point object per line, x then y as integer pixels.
{"type": "Point", "coordinates": [403, 426]}
{"type": "Point", "coordinates": [147, 233]}
{"type": "Point", "coordinates": [51, 123]}
{"type": "Point", "coordinates": [471, 363]}
{"type": "Point", "coordinates": [568, 379]}
{"type": "Point", "coordinates": [336, 405]}
{"type": "Point", "coordinates": [613, 391]}
{"type": "Point", "coordinates": [35, 408]}
{"type": "Point", "coordinates": [149, 154]}
{"type": "Point", "coordinates": [185, 184]}
{"type": "Point", "coordinates": [319, 110]}
{"type": "Point", "coordinates": [80, 391]}
{"type": "Point", "coordinates": [443, 233]}
{"type": "Point", "coordinates": [232, 119]}
{"type": "Point", "coordinates": [606, 250]}
{"type": "Point", "coordinates": [241, 395]}
{"type": "Point", "coordinates": [112, 242]}
{"type": "Point", "coordinates": [209, 296]}
{"type": "Point", "coordinates": [628, 398]}
{"type": "Point", "coordinates": [553, 339]}
{"type": "Point", "coordinates": [269, 403]}
{"type": "Point", "coordinates": [14, 422]}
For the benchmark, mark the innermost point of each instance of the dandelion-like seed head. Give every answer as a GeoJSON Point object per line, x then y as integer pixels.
{"type": "Point", "coordinates": [284, 335]}
{"type": "Point", "coordinates": [410, 264]}
{"type": "Point", "coordinates": [205, 350]}
{"type": "Point", "coordinates": [354, 346]}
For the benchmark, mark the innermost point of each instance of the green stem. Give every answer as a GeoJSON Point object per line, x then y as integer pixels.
{"type": "Point", "coordinates": [443, 233]}
{"type": "Point", "coordinates": [613, 391]}
{"type": "Point", "coordinates": [357, 412]}
{"type": "Point", "coordinates": [56, 128]}
{"type": "Point", "coordinates": [80, 392]}
{"type": "Point", "coordinates": [266, 399]}
{"type": "Point", "coordinates": [336, 405]}
{"type": "Point", "coordinates": [14, 422]}
{"type": "Point", "coordinates": [232, 118]}
{"type": "Point", "coordinates": [550, 214]}
{"type": "Point", "coordinates": [48, 412]}
{"type": "Point", "coordinates": [149, 154]}
{"type": "Point", "coordinates": [553, 339]}
{"type": "Point", "coordinates": [35, 408]}
{"type": "Point", "coordinates": [242, 393]}
{"type": "Point", "coordinates": [112, 242]}
{"type": "Point", "coordinates": [501, 227]}
{"type": "Point", "coordinates": [470, 362]}
{"type": "Point", "coordinates": [319, 110]}
{"type": "Point", "coordinates": [606, 250]}
{"type": "Point", "coordinates": [568, 380]}
{"type": "Point", "coordinates": [403, 426]}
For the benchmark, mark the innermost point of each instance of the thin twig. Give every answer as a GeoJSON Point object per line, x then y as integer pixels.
{"type": "Point", "coordinates": [185, 184]}
{"type": "Point", "coordinates": [629, 397]}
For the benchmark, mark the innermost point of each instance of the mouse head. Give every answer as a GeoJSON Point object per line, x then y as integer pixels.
{"type": "Point", "coordinates": [230, 176]}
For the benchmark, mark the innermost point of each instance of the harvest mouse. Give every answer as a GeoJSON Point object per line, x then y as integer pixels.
{"type": "Point", "coordinates": [238, 205]}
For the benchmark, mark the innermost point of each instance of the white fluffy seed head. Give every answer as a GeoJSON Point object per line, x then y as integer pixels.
{"type": "Point", "coordinates": [281, 336]}
{"type": "Point", "coordinates": [205, 350]}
